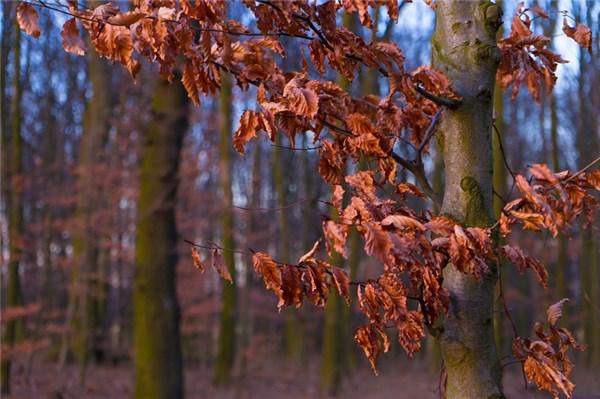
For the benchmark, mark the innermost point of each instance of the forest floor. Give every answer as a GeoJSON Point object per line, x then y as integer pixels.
{"type": "Point", "coordinates": [399, 379]}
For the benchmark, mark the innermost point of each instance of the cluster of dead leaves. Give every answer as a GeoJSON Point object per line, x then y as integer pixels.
{"type": "Point", "coordinates": [551, 201]}
{"type": "Point", "coordinates": [218, 263]}
{"type": "Point", "coordinates": [545, 359]}
{"type": "Point", "coordinates": [526, 58]}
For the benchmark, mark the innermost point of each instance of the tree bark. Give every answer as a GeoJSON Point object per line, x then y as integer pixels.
{"type": "Point", "coordinates": [226, 346]}
{"type": "Point", "coordinates": [14, 295]}
{"type": "Point", "coordinates": [86, 296]}
{"type": "Point", "coordinates": [156, 335]}
{"type": "Point", "coordinates": [464, 48]}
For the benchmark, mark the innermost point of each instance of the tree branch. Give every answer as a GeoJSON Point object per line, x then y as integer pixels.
{"type": "Point", "coordinates": [446, 102]}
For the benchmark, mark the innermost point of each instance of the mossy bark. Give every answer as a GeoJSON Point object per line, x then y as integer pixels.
{"type": "Point", "coordinates": [226, 346]}
{"type": "Point", "coordinates": [156, 334]}
{"type": "Point", "coordinates": [587, 144]}
{"type": "Point", "coordinates": [464, 45]}
{"type": "Point", "coordinates": [13, 293]}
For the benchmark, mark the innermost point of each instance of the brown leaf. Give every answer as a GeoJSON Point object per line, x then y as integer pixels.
{"type": "Point", "coordinates": [336, 235]}
{"type": "Point", "coordinates": [267, 268]}
{"type": "Point", "coordinates": [342, 282]}
{"type": "Point", "coordinates": [377, 242]}
{"type": "Point", "coordinates": [554, 312]}
{"type": "Point", "coordinates": [188, 78]}
{"type": "Point", "coordinates": [440, 225]}
{"type": "Point", "coordinates": [408, 188]}
{"type": "Point", "coordinates": [359, 124]}
{"type": "Point", "coordinates": [220, 266]}
{"type": "Point", "coordinates": [71, 40]}
{"type": "Point", "coordinates": [310, 254]}
{"type": "Point", "coordinates": [27, 17]}
{"type": "Point", "coordinates": [368, 338]}
{"type": "Point", "coordinates": [518, 258]}
{"type": "Point", "coordinates": [337, 196]}
{"type": "Point", "coordinates": [250, 123]}
{"type": "Point", "coordinates": [402, 222]}
{"type": "Point", "coordinates": [593, 179]}
{"type": "Point", "coordinates": [291, 287]}
{"type": "Point", "coordinates": [411, 330]}
{"type": "Point", "coordinates": [126, 18]}
{"type": "Point", "coordinates": [301, 101]}
{"type": "Point", "coordinates": [580, 33]}
{"type": "Point", "coordinates": [197, 261]}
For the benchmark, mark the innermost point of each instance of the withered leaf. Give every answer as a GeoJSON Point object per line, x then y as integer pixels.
{"type": "Point", "coordinates": [218, 263]}
{"type": "Point", "coordinates": [250, 123]}
{"type": "Point", "coordinates": [369, 338]}
{"type": "Point", "coordinates": [342, 282]}
{"type": "Point", "coordinates": [402, 222]}
{"type": "Point", "coordinates": [518, 258]}
{"type": "Point", "coordinates": [71, 40]}
{"type": "Point", "coordinates": [197, 260]}
{"type": "Point", "coordinates": [27, 17]}
{"type": "Point", "coordinates": [580, 33]}
{"type": "Point", "coordinates": [554, 312]}
{"type": "Point", "coordinates": [377, 242]}
{"type": "Point", "coordinates": [291, 287]}
{"type": "Point", "coordinates": [311, 253]}
{"type": "Point", "coordinates": [271, 274]}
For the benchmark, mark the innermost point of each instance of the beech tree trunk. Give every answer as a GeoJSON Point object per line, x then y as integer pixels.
{"type": "Point", "coordinates": [226, 348]}
{"type": "Point", "coordinates": [464, 48]}
{"type": "Point", "coordinates": [156, 336]}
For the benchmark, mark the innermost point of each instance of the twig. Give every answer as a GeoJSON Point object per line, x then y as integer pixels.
{"type": "Point", "coordinates": [281, 208]}
{"type": "Point", "coordinates": [446, 102]}
{"type": "Point", "coordinates": [585, 169]}
{"type": "Point", "coordinates": [430, 131]}
{"type": "Point", "coordinates": [499, 136]}
{"type": "Point", "coordinates": [296, 149]}
{"type": "Point", "coordinates": [508, 314]}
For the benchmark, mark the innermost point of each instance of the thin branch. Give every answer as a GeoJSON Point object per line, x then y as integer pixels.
{"type": "Point", "coordinates": [508, 314]}
{"type": "Point", "coordinates": [430, 131]}
{"type": "Point", "coordinates": [585, 169]}
{"type": "Point", "coordinates": [281, 208]}
{"type": "Point", "coordinates": [296, 149]}
{"type": "Point", "coordinates": [499, 136]}
{"type": "Point", "coordinates": [450, 103]}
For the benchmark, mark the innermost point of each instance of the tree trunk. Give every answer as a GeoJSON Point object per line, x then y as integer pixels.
{"type": "Point", "coordinates": [464, 48]}
{"type": "Point", "coordinates": [15, 212]}
{"type": "Point", "coordinates": [587, 145]}
{"type": "Point", "coordinates": [226, 348]}
{"type": "Point", "coordinates": [86, 305]}
{"type": "Point", "coordinates": [156, 336]}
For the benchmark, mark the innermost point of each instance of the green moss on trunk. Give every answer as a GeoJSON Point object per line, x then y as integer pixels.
{"type": "Point", "coordinates": [226, 345]}
{"type": "Point", "coordinates": [156, 335]}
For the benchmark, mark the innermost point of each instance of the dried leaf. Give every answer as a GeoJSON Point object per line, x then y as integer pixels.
{"type": "Point", "coordinates": [342, 282]}
{"type": "Point", "coordinates": [71, 40]}
{"type": "Point", "coordinates": [27, 17]}
{"type": "Point", "coordinates": [220, 266]}
{"type": "Point", "coordinates": [310, 254]}
{"type": "Point", "coordinates": [197, 261]}
{"type": "Point", "coordinates": [267, 268]}
{"type": "Point", "coordinates": [554, 312]}
{"type": "Point", "coordinates": [402, 222]}
{"type": "Point", "coordinates": [377, 242]}
{"type": "Point", "coordinates": [250, 123]}
{"type": "Point", "coordinates": [580, 33]}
